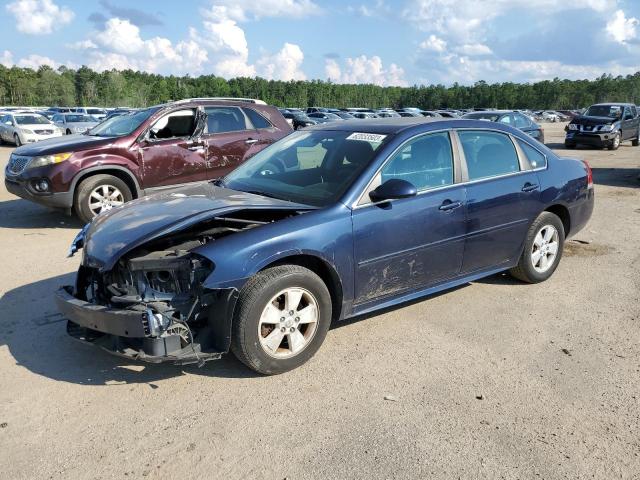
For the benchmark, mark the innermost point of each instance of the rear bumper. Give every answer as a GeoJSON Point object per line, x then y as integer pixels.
{"type": "Point", "coordinates": [22, 188]}
{"type": "Point", "coordinates": [593, 139]}
{"type": "Point", "coordinates": [124, 333]}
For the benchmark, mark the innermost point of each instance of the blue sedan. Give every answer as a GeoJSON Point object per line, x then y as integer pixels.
{"type": "Point", "coordinates": [331, 222]}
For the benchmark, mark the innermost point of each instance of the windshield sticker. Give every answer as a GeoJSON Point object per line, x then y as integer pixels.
{"type": "Point", "coordinates": [367, 137]}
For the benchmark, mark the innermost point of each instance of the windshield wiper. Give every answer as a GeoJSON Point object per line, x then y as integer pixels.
{"type": "Point", "coordinates": [265, 194]}
{"type": "Point", "coordinates": [219, 182]}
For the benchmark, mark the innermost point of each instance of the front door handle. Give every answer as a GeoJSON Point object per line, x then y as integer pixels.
{"type": "Point", "coordinates": [530, 187]}
{"type": "Point", "coordinates": [251, 141]}
{"type": "Point", "coordinates": [448, 205]}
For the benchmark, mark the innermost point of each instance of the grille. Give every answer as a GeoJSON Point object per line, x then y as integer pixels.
{"type": "Point", "coordinates": [44, 132]}
{"type": "Point", "coordinates": [17, 164]}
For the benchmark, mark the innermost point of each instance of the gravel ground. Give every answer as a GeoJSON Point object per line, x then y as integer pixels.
{"type": "Point", "coordinates": [495, 379]}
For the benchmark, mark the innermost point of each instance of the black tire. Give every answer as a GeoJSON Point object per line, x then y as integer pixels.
{"type": "Point", "coordinates": [255, 296]}
{"type": "Point", "coordinates": [615, 143]}
{"type": "Point", "coordinates": [16, 140]}
{"type": "Point", "coordinates": [636, 141]}
{"type": "Point", "coordinates": [525, 270]}
{"type": "Point", "coordinates": [83, 191]}
{"type": "Point", "coordinates": [569, 146]}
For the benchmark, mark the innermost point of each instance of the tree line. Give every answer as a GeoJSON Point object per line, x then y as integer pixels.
{"type": "Point", "coordinates": [85, 87]}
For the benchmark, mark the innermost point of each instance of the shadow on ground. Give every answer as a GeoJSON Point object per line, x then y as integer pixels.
{"type": "Point", "coordinates": [617, 177]}
{"type": "Point", "coordinates": [36, 337]}
{"type": "Point", "coordinates": [28, 215]}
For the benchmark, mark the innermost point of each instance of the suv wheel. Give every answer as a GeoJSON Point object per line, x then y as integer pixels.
{"type": "Point", "coordinates": [282, 317]}
{"type": "Point", "coordinates": [100, 193]}
{"type": "Point", "coordinates": [636, 141]}
{"type": "Point", "coordinates": [615, 143]}
{"type": "Point", "coordinates": [542, 249]}
{"type": "Point", "coordinates": [16, 140]}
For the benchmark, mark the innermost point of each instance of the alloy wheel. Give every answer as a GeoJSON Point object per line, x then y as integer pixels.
{"type": "Point", "coordinates": [545, 248]}
{"type": "Point", "coordinates": [105, 197]}
{"type": "Point", "coordinates": [288, 323]}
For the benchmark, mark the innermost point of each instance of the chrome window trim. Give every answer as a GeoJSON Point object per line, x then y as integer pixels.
{"type": "Point", "coordinates": [461, 176]}
{"type": "Point", "coordinates": [364, 200]}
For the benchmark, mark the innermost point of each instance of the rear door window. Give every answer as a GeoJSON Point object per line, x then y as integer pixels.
{"type": "Point", "coordinates": [488, 154]}
{"type": "Point", "coordinates": [225, 119]}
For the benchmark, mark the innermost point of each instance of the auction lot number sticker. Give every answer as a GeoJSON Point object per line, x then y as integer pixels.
{"type": "Point", "coordinates": [367, 137]}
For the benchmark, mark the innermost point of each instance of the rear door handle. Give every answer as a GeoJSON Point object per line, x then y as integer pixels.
{"type": "Point", "coordinates": [530, 187]}
{"type": "Point", "coordinates": [448, 205]}
{"type": "Point", "coordinates": [251, 141]}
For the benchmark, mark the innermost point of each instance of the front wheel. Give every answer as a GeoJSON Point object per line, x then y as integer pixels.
{"type": "Point", "coordinates": [282, 317]}
{"type": "Point", "coordinates": [99, 193]}
{"type": "Point", "coordinates": [615, 143]}
{"type": "Point", "coordinates": [542, 249]}
{"type": "Point", "coordinates": [16, 140]}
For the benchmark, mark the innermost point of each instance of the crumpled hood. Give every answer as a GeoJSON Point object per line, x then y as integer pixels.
{"type": "Point", "coordinates": [63, 144]}
{"type": "Point", "coordinates": [118, 231]}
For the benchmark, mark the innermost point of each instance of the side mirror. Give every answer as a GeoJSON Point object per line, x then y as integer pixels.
{"type": "Point", "coordinates": [393, 189]}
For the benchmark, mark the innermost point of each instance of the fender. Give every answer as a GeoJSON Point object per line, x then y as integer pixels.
{"type": "Point", "coordinates": [108, 166]}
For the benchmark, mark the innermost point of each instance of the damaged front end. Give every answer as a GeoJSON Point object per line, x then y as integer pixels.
{"type": "Point", "coordinates": [152, 305]}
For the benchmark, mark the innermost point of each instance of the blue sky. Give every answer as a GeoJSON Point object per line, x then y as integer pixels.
{"type": "Point", "coordinates": [386, 42]}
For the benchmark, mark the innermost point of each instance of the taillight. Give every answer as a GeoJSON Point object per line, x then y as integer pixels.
{"type": "Point", "coordinates": [589, 174]}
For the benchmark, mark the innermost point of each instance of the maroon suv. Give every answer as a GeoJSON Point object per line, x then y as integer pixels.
{"type": "Point", "coordinates": [136, 154]}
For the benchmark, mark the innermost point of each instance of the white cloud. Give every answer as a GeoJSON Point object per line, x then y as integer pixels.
{"type": "Point", "coordinates": [39, 17]}
{"type": "Point", "coordinates": [122, 47]}
{"type": "Point", "coordinates": [284, 65]}
{"type": "Point", "coordinates": [434, 44]}
{"type": "Point", "coordinates": [621, 28]}
{"type": "Point", "coordinates": [82, 45]}
{"type": "Point", "coordinates": [6, 59]}
{"type": "Point", "coordinates": [363, 69]}
{"type": "Point", "coordinates": [35, 61]}
{"type": "Point", "coordinates": [473, 49]}
{"type": "Point", "coordinates": [243, 10]}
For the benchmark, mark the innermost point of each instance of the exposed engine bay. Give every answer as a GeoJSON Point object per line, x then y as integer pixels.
{"type": "Point", "coordinates": [162, 282]}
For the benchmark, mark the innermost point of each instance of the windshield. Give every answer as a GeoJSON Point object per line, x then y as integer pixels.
{"type": "Point", "coordinates": [95, 111]}
{"type": "Point", "coordinates": [613, 111]}
{"type": "Point", "coordinates": [31, 120]}
{"type": "Point", "coordinates": [308, 167]}
{"type": "Point", "coordinates": [122, 125]}
{"type": "Point", "coordinates": [80, 118]}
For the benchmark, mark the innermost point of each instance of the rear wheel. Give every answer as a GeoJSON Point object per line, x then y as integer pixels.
{"type": "Point", "coordinates": [100, 193]}
{"type": "Point", "coordinates": [282, 317]}
{"type": "Point", "coordinates": [636, 141]}
{"type": "Point", "coordinates": [542, 249]}
{"type": "Point", "coordinates": [615, 143]}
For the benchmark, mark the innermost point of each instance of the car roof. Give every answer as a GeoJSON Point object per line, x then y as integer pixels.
{"type": "Point", "coordinates": [613, 103]}
{"type": "Point", "coordinates": [390, 126]}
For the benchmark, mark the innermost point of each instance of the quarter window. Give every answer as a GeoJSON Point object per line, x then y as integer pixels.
{"type": "Point", "coordinates": [256, 119]}
{"type": "Point", "coordinates": [426, 162]}
{"type": "Point", "coordinates": [536, 159]}
{"type": "Point", "coordinates": [521, 121]}
{"type": "Point", "coordinates": [225, 119]}
{"type": "Point", "coordinates": [488, 154]}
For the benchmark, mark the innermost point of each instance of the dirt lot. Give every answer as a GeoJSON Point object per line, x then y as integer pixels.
{"type": "Point", "coordinates": [557, 366]}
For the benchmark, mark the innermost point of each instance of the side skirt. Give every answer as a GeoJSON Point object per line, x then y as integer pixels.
{"type": "Point", "coordinates": [407, 297]}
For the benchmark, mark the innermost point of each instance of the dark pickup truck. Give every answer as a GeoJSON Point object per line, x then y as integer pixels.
{"type": "Point", "coordinates": [605, 125]}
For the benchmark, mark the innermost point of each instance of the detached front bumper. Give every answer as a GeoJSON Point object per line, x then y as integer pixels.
{"type": "Point", "coordinates": [125, 332]}
{"type": "Point", "coordinates": [594, 139]}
